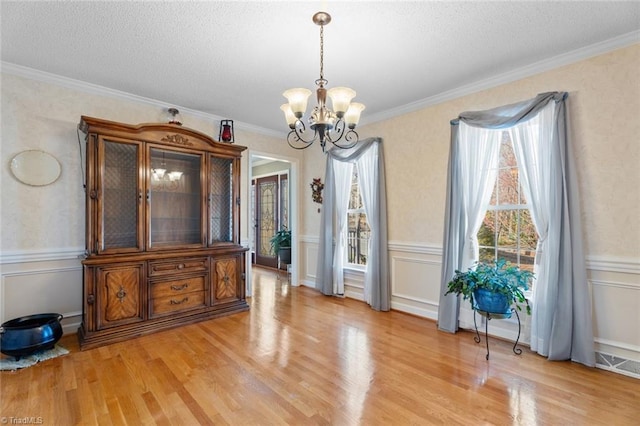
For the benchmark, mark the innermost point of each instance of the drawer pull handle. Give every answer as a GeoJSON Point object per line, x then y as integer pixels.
{"type": "Point", "coordinates": [121, 294]}
{"type": "Point", "coordinates": [179, 287]}
{"type": "Point", "coordinates": [178, 302]}
{"type": "Point", "coordinates": [181, 266]}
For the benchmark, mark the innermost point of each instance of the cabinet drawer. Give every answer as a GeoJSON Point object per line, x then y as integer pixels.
{"type": "Point", "coordinates": [180, 302]}
{"type": "Point", "coordinates": [195, 264]}
{"type": "Point", "coordinates": [177, 287]}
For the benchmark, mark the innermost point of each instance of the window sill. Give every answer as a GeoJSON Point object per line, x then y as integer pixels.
{"type": "Point", "coordinates": [354, 268]}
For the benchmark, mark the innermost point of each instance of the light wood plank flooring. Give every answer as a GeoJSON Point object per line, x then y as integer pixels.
{"type": "Point", "coordinates": [298, 357]}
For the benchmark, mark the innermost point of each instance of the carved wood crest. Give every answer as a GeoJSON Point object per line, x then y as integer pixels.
{"type": "Point", "coordinates": [177, 139]}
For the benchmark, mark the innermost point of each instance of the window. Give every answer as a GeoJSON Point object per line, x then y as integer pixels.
{"type": "Point", "coordinates": [358, 230]}
{"type": "Point", "coordinates": [507, 231]}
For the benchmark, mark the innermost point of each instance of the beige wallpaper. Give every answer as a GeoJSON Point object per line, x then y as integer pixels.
{"type": "Point", "coordinates": [604, 113]}
{"type": "Point", "coordinates": [44, 116]}
{"type": "Point", "coordinates": [604, 110]}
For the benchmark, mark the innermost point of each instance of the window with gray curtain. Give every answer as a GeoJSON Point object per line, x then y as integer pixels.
{"type": "Point", "coordinates": [561, 320]}
{"type": "Point", "coordinates": [368, 157]}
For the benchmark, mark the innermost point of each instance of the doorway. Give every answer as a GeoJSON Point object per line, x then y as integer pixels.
{"type": "Point", "coordinates": [270, 207]}
{"type": "Point", "coordinates": [258, 159]}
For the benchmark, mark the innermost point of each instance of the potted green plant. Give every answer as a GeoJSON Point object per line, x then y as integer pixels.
{"type": "Point", "coordinates": [281, 245]}
{"type": "Point", "coordinates": [493, 287]}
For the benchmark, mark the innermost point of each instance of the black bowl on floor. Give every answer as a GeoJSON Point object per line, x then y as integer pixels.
{"type": "Point", "coordinates": [26, 335]}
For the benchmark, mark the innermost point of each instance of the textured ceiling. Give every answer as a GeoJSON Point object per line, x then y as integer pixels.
{"type": "Point", "coordinates": [234, 59]}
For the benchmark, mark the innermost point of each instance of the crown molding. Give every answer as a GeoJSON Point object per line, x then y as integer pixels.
{"type": "Point", "coordinates": [94, 89]}
{"type": "Point", "coordinates": [508, 77]}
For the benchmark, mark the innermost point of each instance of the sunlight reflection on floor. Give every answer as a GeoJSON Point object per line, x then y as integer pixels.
{"type": "Point", "coordinates": [271, 340]}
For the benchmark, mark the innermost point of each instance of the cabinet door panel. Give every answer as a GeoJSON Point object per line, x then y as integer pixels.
{"type": "Point", "coordinates": [120, 197]}
{"type": "Point", "coordinates": [225, 279]}
{"type": "Point", "coordinates": [120, 297]}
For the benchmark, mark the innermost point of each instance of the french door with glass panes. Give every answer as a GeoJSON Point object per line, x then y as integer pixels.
{"type": "Point", "coordinates": [266, 219]}
{"type": "Point", "coordinates": [271, 214]}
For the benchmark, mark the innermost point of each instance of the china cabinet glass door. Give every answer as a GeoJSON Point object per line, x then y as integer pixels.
{"type": "Point", "coordinates": [120, 202]}
{"type": "Point", "coordinates": [221, 206]}
{"type": "Point", "coordinates": [174, 197]}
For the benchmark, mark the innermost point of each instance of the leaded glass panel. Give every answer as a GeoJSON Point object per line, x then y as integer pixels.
{"type": "Point", "coordinates": [120, 191]}
{"type": "Point", "coordinates": [267, 227]}
{"type": "Point", "coordinates": [221, 200]}
{"type": "Point", "coordinates": [284, 202]}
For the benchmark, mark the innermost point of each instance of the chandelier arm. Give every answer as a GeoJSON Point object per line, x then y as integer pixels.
{"type": "Point", "coordinates": [296, 135]}
{"type": "Point", "coordinates": [351, 137]}
{"type": "Point", "coordinates": [341, 131]}
{"type": "Point", "coordinates": [293, 138]}
{"type": "Point", "coordinates": [300, 130]}
{"type": "Point", "coordinates": [337, 132]}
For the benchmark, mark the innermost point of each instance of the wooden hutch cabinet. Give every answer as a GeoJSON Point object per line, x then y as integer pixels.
{"type": "Point", "coordinates": [162, 230]}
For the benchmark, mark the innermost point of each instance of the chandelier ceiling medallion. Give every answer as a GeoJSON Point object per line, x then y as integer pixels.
{"type": "Point", "coordinates": [335, 126]}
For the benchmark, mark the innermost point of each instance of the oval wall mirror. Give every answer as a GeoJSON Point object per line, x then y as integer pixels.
{"type": "Point", "coordinates": [35, 168]}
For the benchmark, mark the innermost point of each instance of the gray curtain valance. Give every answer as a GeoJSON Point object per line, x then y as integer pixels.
{"type": "Point", "coordinates": [509, 115]}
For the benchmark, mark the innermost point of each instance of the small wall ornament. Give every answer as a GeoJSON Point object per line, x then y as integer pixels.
{"type": "Point", "coordinates": [316, 187]}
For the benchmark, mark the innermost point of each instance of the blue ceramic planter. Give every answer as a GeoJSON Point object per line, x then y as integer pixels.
{"type": "Point", "coordinates": [494, 303]}
{"type": "Point", "coordinates": [26, 335]}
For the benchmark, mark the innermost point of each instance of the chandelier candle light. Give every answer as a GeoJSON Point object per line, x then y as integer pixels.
{"type": "Point", "coordinates": [161, 173]}
{"type": "Point", "coordinates": [335, 126]}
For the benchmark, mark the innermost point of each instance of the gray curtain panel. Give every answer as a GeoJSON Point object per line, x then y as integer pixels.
{"type": "Point", "coordinates": [377, 282]}
{"type": "Point", "coordinates": [567, 303]}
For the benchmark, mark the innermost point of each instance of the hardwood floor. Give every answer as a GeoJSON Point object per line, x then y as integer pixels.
{"type": "Point", "coordinates": [298, 357]}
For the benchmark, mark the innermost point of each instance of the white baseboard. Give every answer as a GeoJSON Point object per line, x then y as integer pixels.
{"type": "Point", "coordinates": [414, 310]}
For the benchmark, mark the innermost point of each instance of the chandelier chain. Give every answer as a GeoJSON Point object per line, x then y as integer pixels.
{"type": "Point", "coordinates": [321, 52]}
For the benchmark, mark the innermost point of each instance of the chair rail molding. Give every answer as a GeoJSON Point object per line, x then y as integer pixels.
{"type": "Point", "coordinates": [40, 255]}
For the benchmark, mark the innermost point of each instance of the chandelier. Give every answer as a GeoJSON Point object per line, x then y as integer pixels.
{"type": "Point", "coordinates": [337, 126]}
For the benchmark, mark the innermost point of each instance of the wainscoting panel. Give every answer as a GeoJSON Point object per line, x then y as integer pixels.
{"type": "Point", "coordinates": [616, 303]}
{"type": "Point", "coordinates": [415, 284]}
{"type": "Point", "coordinates": [615, 294]}
{"type": "Point", "coordinates": [308, 260]}
{"type": "Point", "coordinates": [42, 283]}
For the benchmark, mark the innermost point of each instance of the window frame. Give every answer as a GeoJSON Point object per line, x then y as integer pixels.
{"type": "Point", "coordinates": [498, 207]}
{"type": "Point", "coordinates": [359, 210]}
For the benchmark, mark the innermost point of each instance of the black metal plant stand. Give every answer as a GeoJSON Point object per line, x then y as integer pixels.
{"type": "Point", "coordinates": [489, 316]}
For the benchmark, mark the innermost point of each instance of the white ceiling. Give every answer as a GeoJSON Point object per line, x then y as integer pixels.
{"type": "Point", "coordinates": [234, 59]}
